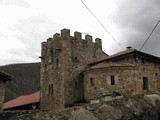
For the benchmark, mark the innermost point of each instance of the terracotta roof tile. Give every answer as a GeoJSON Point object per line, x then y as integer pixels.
{"type": "Point", "coordinates": [23, 100]}
{"type": "Point", "coordinates": [125, 52]}
{"type": "Point", "coordinates": [115, 55]}
{"type": "Point", "coordinates": [122, 53]}
{"type": "Point", "coordinates": [111, 64]}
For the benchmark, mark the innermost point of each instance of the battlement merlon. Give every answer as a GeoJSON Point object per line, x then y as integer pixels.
{"type": "Point", "coordinates": [49, 39]}
{"type": "Point", "coordinates": [43, 44]}
{"type": "Point", "coordinates": [65, 33]}
{"type": "Point", "coordinates": [88, 38]}
{"type": "Point", "coordinates": [99, 42]}
{"type": "Point", "coordinates": [56, 37]}
{"type": "Point", "coordinates": [43, 47]}
{"type": "Point", "coordinates": [78, 35]}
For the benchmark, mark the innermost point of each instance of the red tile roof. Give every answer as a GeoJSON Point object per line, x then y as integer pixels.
{"type": "Point", "coordinates": [126, 52]}
{"type": "Point", "coordinates": [23, 100]}
{"type": "Point", "coordinates": [122, 53]}
{"type": "Point", "coordinates": [6, 75]}
{"type": "Point", "coordinates": [111, 64]}
{"type": "Point", "coordinates": [115, 55]}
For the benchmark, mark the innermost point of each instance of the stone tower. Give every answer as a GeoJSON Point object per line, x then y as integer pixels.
{"type": "Point", "coordinates": [63, 58]}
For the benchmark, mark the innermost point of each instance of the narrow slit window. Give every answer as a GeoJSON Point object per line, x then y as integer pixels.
{"type": "Point", "coordinates": [145, 83]}
{"type": "Point", "coordinates": [76, 85]}
{"type": "Point", "coordinates": [75, 59]}
{"type": "Point", "coordinates": [45, 67]}
{"type": "Point", "coordinates": [112, 80]}
{"type": "Point", "coordinates": [49, 89]}
{"type": "Point", "coordinates": [51, 53]}
{"type": "Point", "coordinates": [57, 63]}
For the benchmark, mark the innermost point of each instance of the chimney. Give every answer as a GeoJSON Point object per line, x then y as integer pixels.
{"type": "Point", "coordinates": [129, 47]}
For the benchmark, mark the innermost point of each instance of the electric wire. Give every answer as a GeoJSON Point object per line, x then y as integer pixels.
{"type": "Point", "coordinates": [149, 35]}
{"type": "Point", "coordinates": [101, 24]}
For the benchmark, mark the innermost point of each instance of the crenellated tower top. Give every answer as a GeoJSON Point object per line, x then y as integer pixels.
{"type": "Point", "coordinates": [65, 33]}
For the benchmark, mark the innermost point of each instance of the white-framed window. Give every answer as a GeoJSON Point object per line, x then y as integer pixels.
{"type": "Point", "coordinates": [112, 80]}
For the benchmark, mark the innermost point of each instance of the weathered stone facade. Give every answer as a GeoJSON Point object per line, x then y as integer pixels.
{"type": "Point", "coordinates": [63, 58]}
{"type": "Point", "coordinates": [145, 68]}
{"type": "Point", "coordinates": [141, 75]}
{"type": "Point", "coordinates": [75, 69]}
{"type": "Point", "coordinates": [101, 82]}
{"type": "Point", "coordinates": [2, 93]}
{"type": "Point", "coordinates": [3, 78]}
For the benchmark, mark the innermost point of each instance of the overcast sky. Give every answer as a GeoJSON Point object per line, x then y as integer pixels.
{"type": "Point", "coordinates": [24, 24]}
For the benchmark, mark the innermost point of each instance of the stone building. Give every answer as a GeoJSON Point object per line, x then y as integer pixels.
{"type": "Point", "coordinates": [127, 72]}
{"type": "Point", "coordinates": [3, 78]}
{"type": "Point", "coordinates": [63, 59]}
{"type": "Point", "coordinates": [75, 69]}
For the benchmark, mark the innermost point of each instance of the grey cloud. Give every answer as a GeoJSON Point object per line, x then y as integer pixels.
{"type": "Point", "coordinates": [135, 20]}
{"type": "Point", "coordinates": [30, 35]}
{"type": "Point", "coordinates": [37, 20]}
{"type": "Point", "coordinates": [3, 35]}
{"type": "Point", "coordinates": [20, 3]}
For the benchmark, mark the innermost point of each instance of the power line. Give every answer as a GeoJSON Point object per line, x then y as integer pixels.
{"type": "Point", "coordinates": [101, 24]}
{"type": "Point", "coordinates": [149, 35]}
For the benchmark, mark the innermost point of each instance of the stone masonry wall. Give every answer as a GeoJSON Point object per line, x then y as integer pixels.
{"type": "Point", "coordinates": [144, 67]}
{"type": "Point", "coordinates": [63, 57]}
{"type": "Point", "coordinates": [125, 81]}
{"type": "Point", "coordinates": [2, 93]}
{"type": "Point", "coordinates": [51, 74]}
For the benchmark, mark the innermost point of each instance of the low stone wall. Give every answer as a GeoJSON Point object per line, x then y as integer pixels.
{"type": "Point", "coordinates": [138, 107]}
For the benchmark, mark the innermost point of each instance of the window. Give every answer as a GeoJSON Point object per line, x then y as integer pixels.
{"type": "Point", "coordinates": [76, 60]}
{"type": "Point", "coordinates": [145, 83]}
{"type": "Point", "coordinates": [76, 85]}
{"type": "Point", "coordinates": [136, 58]}
{"type": "Point", "coordinates": [57, 63]}
{"type": "Point", "coordinates": [51, 53]}
{"type": "Point", "coordinates": [112, 80]}
{"type": "Point", "coordinates": [156, 74]}
{"type": "Point", "coordinates": [92, 82]}
{"type": "Point", "coordinates": [49, 89]}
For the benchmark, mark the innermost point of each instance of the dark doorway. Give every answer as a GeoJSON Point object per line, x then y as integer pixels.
{"type": "Point", "coordinates": [145, 83]}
